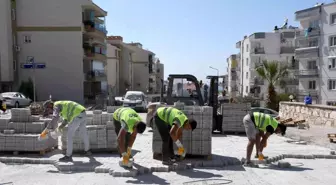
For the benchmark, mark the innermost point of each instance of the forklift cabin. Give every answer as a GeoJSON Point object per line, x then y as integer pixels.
{"type": "Point", "coordinates": [175, 90]}
{"type": "Point", "coordinates": [214, 103]}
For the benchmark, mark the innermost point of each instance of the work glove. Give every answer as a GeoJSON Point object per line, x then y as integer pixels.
{"type": "Point", "coordinates": [43, 135]}
{"type": "Point", "coordinates": [129, 150]}
{"type": "Point", "coordinates": [125, 159]}
{"type": "Point", "coordinates": [260, 156]}
{"type": "Point", "coordinates": [180, 150]}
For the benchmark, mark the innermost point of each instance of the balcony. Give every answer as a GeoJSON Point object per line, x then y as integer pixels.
{"type": "Point", "coordinates": [257, 82]}
{"type": "Point", "coordinates": [308, 33]}
{"type": "Point", "coordinates": [95, 75]}
{"type": "Point", "coordinates": [94, 53]}
{"type": "Point", "coordinates": [260, 35]}
{"type": "Point", "coordinates": [287, 50]}
{"type": "Point", "coordinates": [259, 50]}
{"type": "Point", "coordinates": [307, 73]}
{"type": "Point", "coordinates": [307, 52]}
{"type": "Point", "coordinates": [312, 92]}
{"type": "Point", "coordinates": [308, 13]}
{"type": "Point", "coordinates": [95, 29]}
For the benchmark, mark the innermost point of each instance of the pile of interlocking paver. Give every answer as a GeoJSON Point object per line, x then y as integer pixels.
{"type": "Point", "coordinates": [233, 114]}
{"type": "Point", "coordinates": [197, 142]}
{"type": "Point", "coordinates": [100, 129]}
{"type": "Point", "coordinates": [21, 132]}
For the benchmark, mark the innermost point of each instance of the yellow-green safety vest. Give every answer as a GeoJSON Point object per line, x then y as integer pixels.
{"type": "Point", "coordinates": [127, 115]}
{"type": "Point", "coordinates": [70, 109]}
{"type": "Point", "coordinates": [263, 120]}
{"type": "Point", "coordinates": [169, 114]}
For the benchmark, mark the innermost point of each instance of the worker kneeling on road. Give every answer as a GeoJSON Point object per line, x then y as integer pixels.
{"type": "Point", "coordinates": [73, 114]}
{"type": "Point", "coordinates": [170, 123]}
{"type": "Point", "coordinates": [128, 124]}
{"type": "Point", "coordinates": [255, 125]}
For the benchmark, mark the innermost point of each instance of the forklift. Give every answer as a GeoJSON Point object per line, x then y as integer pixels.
{"type": "Point", "coordinates": [195, 97]}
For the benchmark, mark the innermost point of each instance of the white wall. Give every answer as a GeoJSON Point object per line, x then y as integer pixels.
{"type": "Point", "coordinates": [112, 68]}
{"type": "Point", "coordinates": [6, 42]}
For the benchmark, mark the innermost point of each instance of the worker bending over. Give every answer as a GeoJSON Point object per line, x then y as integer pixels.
{"type": "Point", "coordinates": [255, 125]}
{"type": "Point", "coordinates": [74, 115]}
{"type": "Point", "coordinates": [127, 125]}
{"type": "Point", "coordinates": [170, 123]}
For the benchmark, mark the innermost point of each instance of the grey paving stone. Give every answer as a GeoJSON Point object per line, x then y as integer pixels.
{"type": "Point", "coordinates": [284, 164]}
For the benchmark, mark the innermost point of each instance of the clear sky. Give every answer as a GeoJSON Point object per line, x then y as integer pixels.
{"type": "Point", "coordinates": [190, 35]}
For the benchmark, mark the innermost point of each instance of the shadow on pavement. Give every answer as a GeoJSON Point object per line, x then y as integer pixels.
{"type": "Point", "coordinates": [147, 179]}
{"type": "Point", "coordinates": [209, 181]}
{"type": "Point", "coordinates": [296, 167]}
{"type": "Point", "coordinates": [194, 173]}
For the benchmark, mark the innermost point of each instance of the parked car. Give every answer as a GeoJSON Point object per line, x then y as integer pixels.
{"type": "Point", "coordinates": [15, 99]}
{"type": "Point", "coordinates": [136, 100]}
{"type": "Point", "coordinates": [273, 113]}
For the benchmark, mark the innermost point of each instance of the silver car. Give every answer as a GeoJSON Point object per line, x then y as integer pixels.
{"type": "Point", "coordinates": [15, 99]}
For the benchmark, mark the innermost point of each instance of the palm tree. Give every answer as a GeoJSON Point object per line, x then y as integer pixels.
{"type": "Point", "coordinates": [274, 73]}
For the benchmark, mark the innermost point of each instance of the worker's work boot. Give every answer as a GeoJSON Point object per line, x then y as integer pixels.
{"type": "Point", "coordinates": [250, 164]}
{"type": "Point", "coordinates": [169, 161]}
{"type": "Point", "coordinates": [87, 153]}
{"type": "Point", "coordinates": [66, 159]}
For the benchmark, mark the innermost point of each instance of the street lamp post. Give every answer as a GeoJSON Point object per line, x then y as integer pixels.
{"type": "Point", "coordinates": [215, 69]}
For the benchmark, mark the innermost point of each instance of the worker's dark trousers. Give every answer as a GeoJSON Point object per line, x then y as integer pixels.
{"type": "Point", "coordinates": [167, 142]}
{"type": "Point", "coordinates": [117, 127]}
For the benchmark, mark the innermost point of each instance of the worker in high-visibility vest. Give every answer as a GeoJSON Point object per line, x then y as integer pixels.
{"type": "Point", "coordinates": [73, 115]}
{"type": "Point", "coordinates": [256, 124]}
{"type": "Point", "coordinates": [170, 123]}
{"type": "Point", "coordinates": [127, 124]}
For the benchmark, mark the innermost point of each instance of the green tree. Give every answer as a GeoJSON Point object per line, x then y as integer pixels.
{"type": "Point", "coordinates": [27, 88]}
{"type": "Point", "coordinates": [274, 73]}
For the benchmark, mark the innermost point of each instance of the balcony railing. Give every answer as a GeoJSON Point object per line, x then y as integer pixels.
{"type": "Point", "coordinates": [306, 33]}
{"type": "Point", "coordinates": [90, 25]}
{"type": "Point", "coordinates": [309, 52]}
{"type": "Point", "coordinates": [259, 50]}
{"type": "Point", "coordinates": [288, 50]}
{"type": "Point", "coordinates": [96, 75]}
{"type": "Point", "coordinates": [312, 92]}
{"type": "Point", "coordinates": [292, 82]}
{"type": "Point", "coordinates": [307, 73]}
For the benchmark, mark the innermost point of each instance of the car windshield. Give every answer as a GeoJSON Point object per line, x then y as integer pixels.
{"type": "Point", "coordinates": [134, 97]}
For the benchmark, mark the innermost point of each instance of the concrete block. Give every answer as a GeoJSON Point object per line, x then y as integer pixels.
{"type": "Point", "coordinates": [20, 114]}
{"type": "Point", "coordinates": [118, 171]}
{"type": "Point", "coordinates": [284, 164]}
{"type": "Point", "coordinates": [9, 131]}
{"type": "Point", "coordinates": [4, 124]}
{"type": "Point", "coordinates": [97, 112]}
{"type": "Point", "coordinates": [35, 127]}
{"type": "Point", "coordinates": [102, 169]}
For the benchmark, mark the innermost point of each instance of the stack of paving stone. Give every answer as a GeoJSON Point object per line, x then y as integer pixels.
{"type": "Point", "coordinates": [21, 131]}
{"type": "Point", "coordinates": [101, 132]}
{"type": "Point", "coordinates": [233, 114]}
{"type": "Point", "coordinates": [197, 142]}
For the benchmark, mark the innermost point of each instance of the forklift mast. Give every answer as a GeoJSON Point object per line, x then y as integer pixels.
{"type": "Point", "coordinates": [213, 102]}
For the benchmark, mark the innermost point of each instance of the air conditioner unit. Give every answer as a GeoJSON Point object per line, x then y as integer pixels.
{"type": "Point", "coordinates": [17, 48]}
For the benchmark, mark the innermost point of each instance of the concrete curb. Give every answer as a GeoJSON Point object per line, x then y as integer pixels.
{"type": "Point", "coordinates": [139, 170]}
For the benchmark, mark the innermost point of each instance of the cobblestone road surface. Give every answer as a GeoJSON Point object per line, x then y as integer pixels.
{"type": "Point", "coordinates": [303, 171]}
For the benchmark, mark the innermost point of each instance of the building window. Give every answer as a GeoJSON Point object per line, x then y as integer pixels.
{"type": "Point", "coordinates": [331, 103]}
{"type": "Point", "coordinates": [312, 64]}
{"type": "Point", "coordinates": [314, 24]}
{"type": "Point", "coordinates": [313, 43]}
{"type": "Point", "coordinates": [247, 62]}
{"type": "Point", "coordinates": [246, 75]}
{"type": "Point", "coordinates": [332, 84]}
{"type": "Point", "coordinates": [14, 65]}
{"type": "Point", "coordinates": [312, 84]}
{"type": "Point", "coordinates": [247, 47]}
{"type": "Point", "coordinates": [332, 64]}
{"type": "Point", "coordinates": [13, 14]}
{"type": "Point", "coordinates": [27, 39]}
{"type": "Point", "coordinates": [332, 41]}
{"type": "Point", "coordinates": [333, 18]}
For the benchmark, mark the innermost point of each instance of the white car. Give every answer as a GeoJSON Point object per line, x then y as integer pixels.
{"type": "Point", "coordinates": [15, 99]}
{"type": "Point", "coordinates": [136, 100]}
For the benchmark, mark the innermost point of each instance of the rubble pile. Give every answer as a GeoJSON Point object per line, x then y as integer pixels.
{"type": "Point", "coordinates": [197, 142]}
{"type": "Point", "coordinates": [21, 131]}
{"type": "Point", "coordinates": [100, 129]}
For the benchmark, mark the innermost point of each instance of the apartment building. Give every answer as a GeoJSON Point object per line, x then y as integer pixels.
{"type": "Point", "coordinates": [112, 69]}
{"type": "Point", "coordinates": [316, 52]}
{"type": "Point", "coordinates": [157, 76]}
{"type": "Point", "coordinates": [59, 43]}
{"type": "Point", "coordinates": [125, 55]}
{"type": "Point", "coordinates": [273, 46]}
{"type": "Point", "coordinates": [233, 70]}
{"type": "Point", "coordinates": [142, 62]}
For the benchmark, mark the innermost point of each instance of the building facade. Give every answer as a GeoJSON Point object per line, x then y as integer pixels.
{"type": "Point", "coordinates": [233, 71]}
{"type": "Point", "coordinates": [112, 69]}
{"type": "Point", "coordinates": [60, 44]}
{"type": "Point", "coordinates": [272, 46]}
{"type": "Point", "coordinates": [316, 52]}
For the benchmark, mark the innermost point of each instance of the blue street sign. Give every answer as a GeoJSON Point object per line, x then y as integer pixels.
{"type": "Point", "coordinates": [31, 66]}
